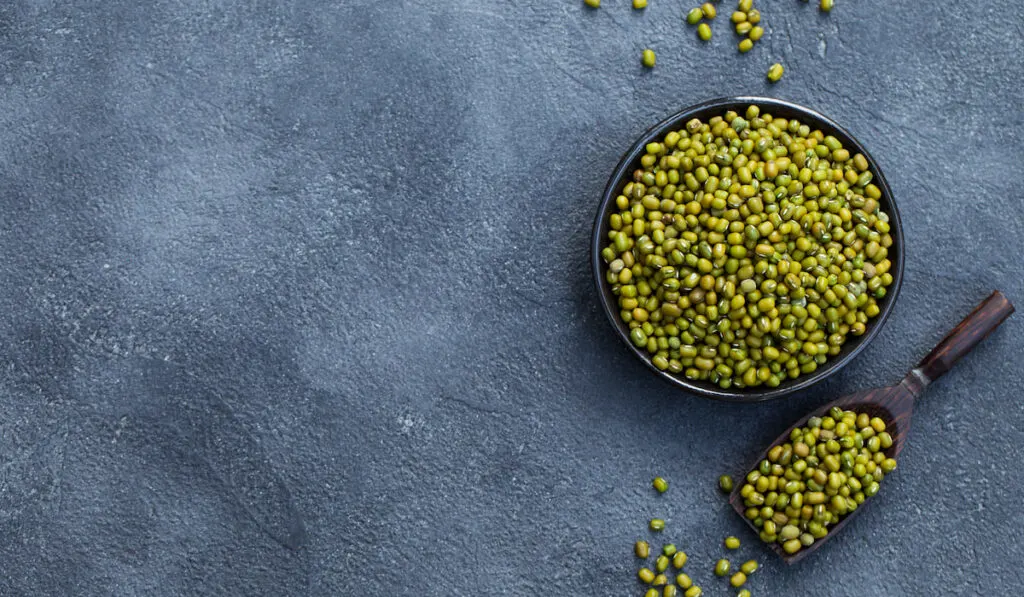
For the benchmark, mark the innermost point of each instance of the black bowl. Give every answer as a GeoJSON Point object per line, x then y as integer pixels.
{"type": "Point", "coordinates": [717, 107]}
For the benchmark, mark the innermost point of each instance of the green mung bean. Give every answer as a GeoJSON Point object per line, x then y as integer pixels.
{"type": "Point", "coordinates": [648, 59]}
{"type": "Point", "coordinates": [722, 567]}
{"type": "Point", "coordinates": [642, 549]}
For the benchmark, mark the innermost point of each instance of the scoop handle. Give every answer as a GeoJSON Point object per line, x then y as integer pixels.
{"type": "Point", "coordinates": [985, 318]}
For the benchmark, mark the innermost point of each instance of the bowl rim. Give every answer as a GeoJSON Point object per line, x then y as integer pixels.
{"type": "Point", "coordinates": [718, 106]}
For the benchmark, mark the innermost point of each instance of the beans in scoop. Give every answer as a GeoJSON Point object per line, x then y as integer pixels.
{"type": "Point", "coordinates": [827, 470]}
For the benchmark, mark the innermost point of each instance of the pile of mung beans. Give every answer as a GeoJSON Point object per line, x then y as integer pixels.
{"type": "Point", "coordinates": [747, 249]}
{"type": "Point", "coordinates": [829, 467]}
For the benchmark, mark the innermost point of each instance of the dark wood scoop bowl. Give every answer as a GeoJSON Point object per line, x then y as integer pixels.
{"type": "Point", "coordinates": [895, 404]}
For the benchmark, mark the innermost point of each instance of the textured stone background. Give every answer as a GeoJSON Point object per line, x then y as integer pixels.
{"type": "Point", "coordinates": [295, 300]}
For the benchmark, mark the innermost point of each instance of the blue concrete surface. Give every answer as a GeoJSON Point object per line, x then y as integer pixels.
{"type": "Point", "coordinates": [295, 297]}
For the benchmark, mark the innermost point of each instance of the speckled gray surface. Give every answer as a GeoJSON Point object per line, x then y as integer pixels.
{"type": "Point", "coordinates": [295, 297]}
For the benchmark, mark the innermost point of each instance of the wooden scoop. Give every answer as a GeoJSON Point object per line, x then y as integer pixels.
{"type": "Point", "coordinates": [895, 404]}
